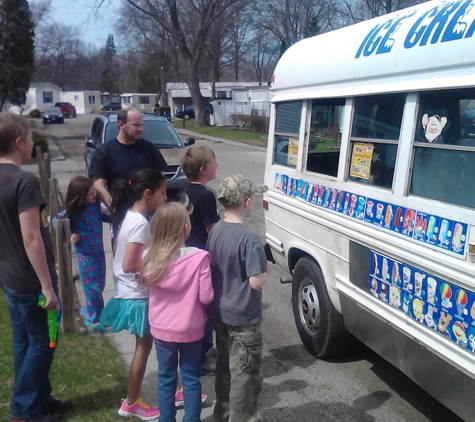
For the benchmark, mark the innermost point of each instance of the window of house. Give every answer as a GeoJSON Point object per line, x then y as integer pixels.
{"type": "Point", "coordinates": [374, 139]}
{"type": "Point", "coordinates": [76, 98]}
{"type": "Point", "coordinates": [127, 100]}
{"type": "Point", "coordinates": [47, 97]}
{"type": "Point", "coordinates": [323, 146]}
{"type": "Point", "coordinates": [287, 127]}
{"type": "Point", "coordinates": [91, 99]}
{"type": "Point", "coordinates": [444, 147]}
{"type": "Point", "coordinates": [220, 94]}
{"type": "Point", "coordinates": [144, 100]}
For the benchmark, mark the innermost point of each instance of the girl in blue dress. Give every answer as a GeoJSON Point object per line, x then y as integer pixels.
{"type": "Point", "coordinates": [84, 212]}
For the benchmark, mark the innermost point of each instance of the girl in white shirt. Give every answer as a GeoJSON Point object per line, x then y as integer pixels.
{"type": "Point", "coordinates": [128, 309]}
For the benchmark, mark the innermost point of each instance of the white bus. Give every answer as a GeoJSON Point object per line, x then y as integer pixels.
{"type": "Point", "coordinates": [371, 206]}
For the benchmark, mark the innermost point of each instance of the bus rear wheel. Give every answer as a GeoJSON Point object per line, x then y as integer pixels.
{"type": "Point", "coordinates": [320, 326]}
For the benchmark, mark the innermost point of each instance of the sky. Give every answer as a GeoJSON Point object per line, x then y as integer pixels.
{"type": "Point", "coordinates": [93, 26]}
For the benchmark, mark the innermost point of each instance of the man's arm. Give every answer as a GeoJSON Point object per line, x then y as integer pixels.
{"type": "Point", "coordinates": [35, 250]}
{"type": "Point", "coordinates": [104, 195]}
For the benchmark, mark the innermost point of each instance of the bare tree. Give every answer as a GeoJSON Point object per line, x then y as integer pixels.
{"type": "Point", "coordinates": [292, 20]}
{"type": "Point", "coordinates": [57, 48]}
{"type": "Point", "coordinates": [265, 53]}
{"type": "Point", "coordinates": [353, 11]}
{"type": "Point", "coordinates": [187, 24]}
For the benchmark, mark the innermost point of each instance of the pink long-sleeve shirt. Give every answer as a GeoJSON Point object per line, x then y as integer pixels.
{"type": "Point", "coordinates": [178, 298]}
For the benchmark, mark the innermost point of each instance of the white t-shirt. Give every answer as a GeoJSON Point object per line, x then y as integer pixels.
{"type": "Point", "coordinates": [135, 229]}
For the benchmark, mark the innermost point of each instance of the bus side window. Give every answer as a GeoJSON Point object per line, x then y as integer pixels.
{"type": "Point", "coordinates": [324, 140]}
{"type": "Point", "coordinates": [287, 127]}
{"type": "Point", "coordinates": [376, 129]}
{"type": "Point", "coordinates": [444, 147]}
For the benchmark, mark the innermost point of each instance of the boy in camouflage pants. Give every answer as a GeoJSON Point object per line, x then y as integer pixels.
{"type": "Point", "coordinates": [239, 270]}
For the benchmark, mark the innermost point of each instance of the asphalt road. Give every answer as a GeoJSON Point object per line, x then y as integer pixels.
{"type": "Point", "coordinates": [356, 387]}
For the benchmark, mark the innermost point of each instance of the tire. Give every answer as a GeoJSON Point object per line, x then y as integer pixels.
{"type": "Point", "coordinates": [319, 325]}
{"type": "Point", "coordinates": [187, 117]}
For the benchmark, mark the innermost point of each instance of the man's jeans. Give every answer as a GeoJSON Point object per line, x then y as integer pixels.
{"type": "Point", "coordinates": [238, 376]}
{"type": "Point", "coordinates": [32, 355]}
{"type": "Point", "coordinates": [190, 366]}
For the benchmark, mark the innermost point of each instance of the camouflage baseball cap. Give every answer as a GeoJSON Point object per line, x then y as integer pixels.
{"type": "Point", "coordinates": [237, 188]}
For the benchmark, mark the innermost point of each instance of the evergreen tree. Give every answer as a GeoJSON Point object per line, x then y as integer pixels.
{"type": "Point", "coordinates": [17, 51]}
{"type": "Point", "coordinates": [109, 73]}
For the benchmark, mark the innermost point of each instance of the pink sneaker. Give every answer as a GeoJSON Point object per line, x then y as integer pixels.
{"type": "Point", "coordinates": [138, 410]}
{"type": "Point", "coordinates": [179, 398]}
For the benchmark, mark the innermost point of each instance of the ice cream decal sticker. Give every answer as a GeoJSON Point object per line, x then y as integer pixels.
{"type": "Point", "coordinates": [432, 302]}
{"type": "Point", "coordinates": [433, 126]}
{"type": "Point", "coordinates": [437, 232]}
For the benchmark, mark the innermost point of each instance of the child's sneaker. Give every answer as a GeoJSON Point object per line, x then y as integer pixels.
{"type": "Point", "coordinates": [138, 410]}
{"type": "Point", "coordinates": [95, 326]}
{"type": "Point", "coordinates": [180, 401]}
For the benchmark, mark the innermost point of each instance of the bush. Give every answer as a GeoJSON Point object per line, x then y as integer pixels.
{"type": "Point", "coordinates": [241, 121]}
{"type": "Point", "coordinates": [35, 114]}
{"type": "Point", "coordinates": [252, 123]}
{"type": "Point", "coordinates": [39, 139]}
{"type": "Point", "coordinates": [259, 124]}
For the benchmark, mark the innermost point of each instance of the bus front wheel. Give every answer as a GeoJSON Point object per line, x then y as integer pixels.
{"type": "Point", "coordinates": [320, 326]}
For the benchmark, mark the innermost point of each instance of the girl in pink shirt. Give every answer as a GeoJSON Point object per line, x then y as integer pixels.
{"type": "Point", "coordinates": [179, 279]}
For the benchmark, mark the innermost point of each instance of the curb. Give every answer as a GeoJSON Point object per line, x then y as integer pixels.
{"type": "Point", "coordinates": [197, 135]}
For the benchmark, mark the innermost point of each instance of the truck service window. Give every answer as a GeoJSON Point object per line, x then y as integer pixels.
{"type": "Point", "coordinates": [323, 152]}
{"type": "Point", "coordinates": [444, 147]}
{"type": "Point", "coordinates": [374, 139]}
{"type": "Point", "coordinates": [287, 127]}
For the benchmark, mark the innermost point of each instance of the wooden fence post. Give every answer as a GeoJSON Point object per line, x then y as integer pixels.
{"type": "Point", "coordinates": [44, 167]}
{"type": "Point", "coordinates": [55, 206]}
{"type": "Point", "coordinates": [65, 272]}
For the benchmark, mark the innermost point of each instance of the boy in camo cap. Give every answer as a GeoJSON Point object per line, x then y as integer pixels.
{"type": "Point", "coordinates": [239, 270]}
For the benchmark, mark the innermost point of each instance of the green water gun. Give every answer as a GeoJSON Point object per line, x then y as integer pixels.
{"type": "Point", "coordinates": [53, 321]}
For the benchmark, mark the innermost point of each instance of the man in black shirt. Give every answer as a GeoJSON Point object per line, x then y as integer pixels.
{"type": "Point", "coordinates": [118, 158]}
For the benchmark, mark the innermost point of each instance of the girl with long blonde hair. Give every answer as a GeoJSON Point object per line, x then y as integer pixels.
{"type": "Point", "coordinates": [179, 279]}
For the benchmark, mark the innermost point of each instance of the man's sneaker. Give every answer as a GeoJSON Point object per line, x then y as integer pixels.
{"type": "Point", "coordinates": [138, 410]}
{"type": "Point", "coordinates": [180, 401]}
{"type": "Point", "coordinates": [59, 406]}
{"type": "Point", "coordinates": [209, 366]}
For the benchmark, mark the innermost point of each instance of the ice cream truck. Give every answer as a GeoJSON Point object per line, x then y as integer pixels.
{"type": "Point", "coordinates": [371, 201]}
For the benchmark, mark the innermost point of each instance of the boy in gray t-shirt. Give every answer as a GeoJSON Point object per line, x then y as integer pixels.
{"type": "Point", "coordinates": [239, 270]}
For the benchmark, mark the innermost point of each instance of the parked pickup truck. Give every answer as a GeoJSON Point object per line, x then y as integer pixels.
{"type": "Point", "coordinates": [67, 109]}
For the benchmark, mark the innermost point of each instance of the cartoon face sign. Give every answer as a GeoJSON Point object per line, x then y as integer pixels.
{"type": "Point", "coordinates": [394, 297]}
{"type": "Point", "coordinates": [417, 309]}
{"type": "Point", "coordinates": [444, 321]}
{"type": "Point", "coordinates": [433, 126]}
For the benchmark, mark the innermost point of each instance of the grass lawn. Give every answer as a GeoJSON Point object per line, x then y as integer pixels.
{"type": "Point", "coordinates": [86, 369]}
{"type": "Point", "coordinates": [259, 139]}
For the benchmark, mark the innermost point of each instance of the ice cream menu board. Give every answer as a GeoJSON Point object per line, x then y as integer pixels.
{"type": "Point", "coordinates": [438, 232]}
{"type": "Point", "coordinates": [431, 301]}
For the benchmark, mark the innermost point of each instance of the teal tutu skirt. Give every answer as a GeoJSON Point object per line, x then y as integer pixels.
{"type": "Point", "coordinates": [126, 314]}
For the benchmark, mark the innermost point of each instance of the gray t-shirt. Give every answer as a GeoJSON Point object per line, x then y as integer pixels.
{"type": "Point", "coordinates": [20, 191]}
{"type": "Point", "coordinates": [237, 253]}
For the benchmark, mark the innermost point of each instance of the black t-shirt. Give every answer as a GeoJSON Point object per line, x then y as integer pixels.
{"type": "Point", "coordinates": [114, 161]}
{"type": "Point", "coordinates": [204, 213]}
{"type": "Point", "coordinates": [20, 191]}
